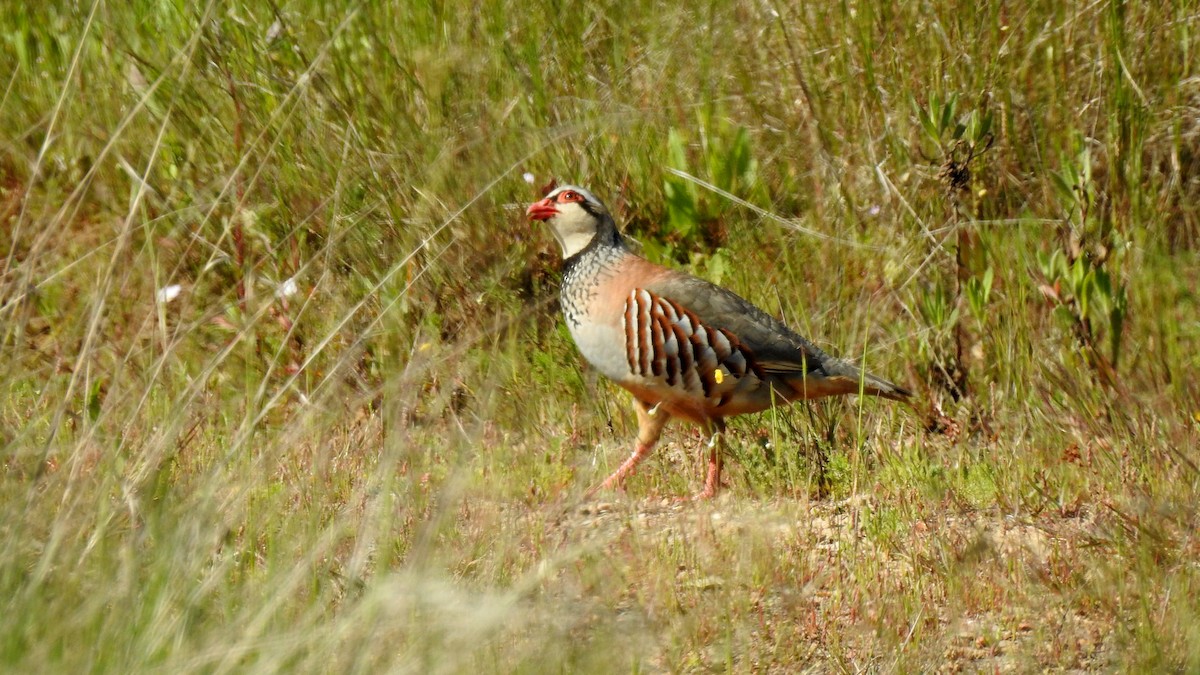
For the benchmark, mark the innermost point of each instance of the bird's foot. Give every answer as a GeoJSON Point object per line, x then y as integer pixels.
{"type": "Point", "coordinates": [613, 482]}
{"type": "Point", "coordinates": [701, 496]}
{"type": "Point", "coordinates": [616, 480]}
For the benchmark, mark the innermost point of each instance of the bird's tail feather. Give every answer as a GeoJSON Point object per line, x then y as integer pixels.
{"type": "Point", "coordinates": [845, 378]}
{"type": "Point", "coordinates": [877, 386]}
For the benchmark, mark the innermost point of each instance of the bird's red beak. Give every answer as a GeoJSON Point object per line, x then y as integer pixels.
{"type": "Point", "coordinates": [543, 210]}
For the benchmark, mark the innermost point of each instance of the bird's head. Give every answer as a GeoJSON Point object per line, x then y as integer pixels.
{"type": "Point", "coordinates": [575, 217]}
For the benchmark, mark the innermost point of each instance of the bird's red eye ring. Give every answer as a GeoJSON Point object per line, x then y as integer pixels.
{"type": "Point", "coordinates": [570, 196]}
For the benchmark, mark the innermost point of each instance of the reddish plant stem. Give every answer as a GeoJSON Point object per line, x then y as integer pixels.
{"type": "Point", "coordinates": [239, 235]}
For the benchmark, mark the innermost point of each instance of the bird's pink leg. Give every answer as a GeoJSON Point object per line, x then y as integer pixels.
{"type": "Point", "coordinates": [712, 479]}
{"type": "Point", "coordinates": [617, 478]}
{"type": "Point", "coordinates": [651, 421]}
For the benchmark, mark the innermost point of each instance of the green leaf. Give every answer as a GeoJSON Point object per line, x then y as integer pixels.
{"type": "Point", "coordinates": [985, 126]}
{"type": "Point", "coordinates": [676, 150]}
{"type": "Point", "coordinates": [1116, 322]}
{"type": "Point", "coordinates": [970, 126]}
{"type": "Point", "coordinates": [925, 120]}
{"type": "Point", "coordinates": [947, 114]}
{"type": "Point", "coordinates": [742, 158]}
{"type": "Point", "coordinates": [1083, 294]}
{"type": "Point", "coordinates": [95, 399]}
{"type": "Point", "coordinates": [1065, 190]}
{"type": "Point", "coordinates": [681, 207]}
{"type": "Point", "coordinates": [1050, 264]}
{"type": "Point", "coordinates": [1103, 283]}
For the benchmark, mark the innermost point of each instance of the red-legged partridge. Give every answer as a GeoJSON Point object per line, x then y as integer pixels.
{"type": "Point", "coordinates": [683, 346]}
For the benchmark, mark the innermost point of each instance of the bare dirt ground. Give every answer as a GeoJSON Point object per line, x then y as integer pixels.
{"type": "Point", "coordinates": [983, 591]}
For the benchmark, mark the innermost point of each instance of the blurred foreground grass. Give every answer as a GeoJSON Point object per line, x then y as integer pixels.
{"type": "Point", "coordinates": [285, 387]}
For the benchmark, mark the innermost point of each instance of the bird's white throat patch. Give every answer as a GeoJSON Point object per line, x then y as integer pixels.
{"type": "Point", "coordinates": [573, 242]}
{"type": "Point", "coordinates": [574, 228]}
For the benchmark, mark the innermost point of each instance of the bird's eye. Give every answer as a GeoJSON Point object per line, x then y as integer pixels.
{"type": "Point", "coordinates": [571, 196]}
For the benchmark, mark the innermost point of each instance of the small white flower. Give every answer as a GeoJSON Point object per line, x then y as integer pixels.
{"type": "Point", "coordinates": [275, 30]}
{"type": "Point", "coordinates": [287, 288]}
{"type": "Point", "coordinates": [168, 293]}
{"type": "Point", "coordinates": [528, 177]}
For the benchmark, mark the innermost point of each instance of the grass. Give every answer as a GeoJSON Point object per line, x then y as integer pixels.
{"type": "Point", "coordinates": [358, 436]}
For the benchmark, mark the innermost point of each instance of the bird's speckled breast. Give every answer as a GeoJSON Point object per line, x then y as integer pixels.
{"type": "Point", "coordinates": [593, 312]}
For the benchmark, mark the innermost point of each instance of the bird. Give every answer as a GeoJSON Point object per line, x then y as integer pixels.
{"type": "Point", "coordinates": [682, 346]}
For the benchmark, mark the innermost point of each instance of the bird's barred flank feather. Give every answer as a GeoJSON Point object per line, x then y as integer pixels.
{"type": "Point", "coordinates": [644, 351]}
{"type": "Point", "coordinates": [666, 342]}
